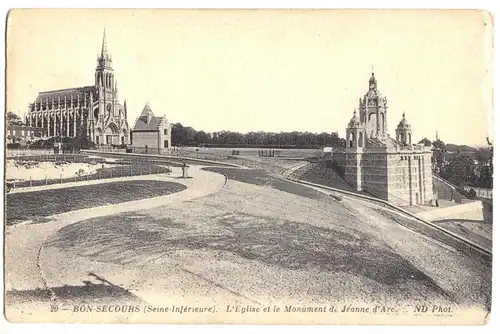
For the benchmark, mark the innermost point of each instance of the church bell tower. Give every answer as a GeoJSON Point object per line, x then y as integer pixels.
{"type": "Point", "coordinates": [104, 76]}
{"type": "Point", "coordinates": [403, 132]}
{"type": "Point", "coordinates": [373, 111]}
{"type": "Point", "coordinates": [104, 73]}
{"type": "Point", "coordinates": [104, 82]}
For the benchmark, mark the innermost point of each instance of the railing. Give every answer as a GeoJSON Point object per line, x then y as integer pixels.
{"type": "Point", "coordinates": [179, 157]}
{"type": "Point", "coordinates": [27, 152]}
{"type": "Point", "coordinates": [480, 192]}
{"type": "Point", "coordinates": [57, 157]}
{"type": "Point", "coordinates": [210, 153]}
{"type": "Point", "coordinates": [175, 152]}
{"type": "Point", "coordinates": [102, 173]}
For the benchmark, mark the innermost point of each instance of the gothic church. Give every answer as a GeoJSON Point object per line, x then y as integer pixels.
{"type": "Point", "coordinates": [93, 111]}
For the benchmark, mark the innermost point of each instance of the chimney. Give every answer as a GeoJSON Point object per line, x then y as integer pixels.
{"type": "Point", "coordinates": [150, 113]}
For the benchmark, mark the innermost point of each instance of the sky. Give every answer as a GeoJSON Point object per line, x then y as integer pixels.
{"type": "Point", "coordinates": [269, 70]}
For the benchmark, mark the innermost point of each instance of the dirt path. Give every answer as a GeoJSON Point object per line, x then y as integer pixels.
{"type": "Point", "coordinates": [25, 282]}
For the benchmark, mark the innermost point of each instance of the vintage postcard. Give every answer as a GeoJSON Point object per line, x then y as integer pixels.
{"type": "Point", "coordinates": [248, 166]}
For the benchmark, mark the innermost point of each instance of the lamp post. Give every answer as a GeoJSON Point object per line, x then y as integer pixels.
{"type": "Point", "coordinates": [184, 169]}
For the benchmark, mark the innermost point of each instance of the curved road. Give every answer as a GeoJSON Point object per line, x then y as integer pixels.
{"type": "Point", "coordinates": [25, 278]}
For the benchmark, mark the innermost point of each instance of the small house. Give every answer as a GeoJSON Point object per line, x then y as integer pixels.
{"type": "Point", "coordinates": [151, 132]}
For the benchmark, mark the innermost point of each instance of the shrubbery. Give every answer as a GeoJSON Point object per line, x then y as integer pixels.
{"type": "Point", "coordinates": [14, 145]}
{"type": "Point", "coordinates": [68, 144]}
{"type": "Point", "coordinates": [471, 194]}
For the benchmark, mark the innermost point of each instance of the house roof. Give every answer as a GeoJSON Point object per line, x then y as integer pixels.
{"type": "Point", "coordinates": [153, 124]}
{"type": "Point", "coordinates": [142, 121]}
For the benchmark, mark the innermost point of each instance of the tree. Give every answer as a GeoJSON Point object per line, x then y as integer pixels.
{"type": "Point", "coordinates": [460, 170]}
{"type": "Point", "coordinates": [13, 119]}
{"type": "Point", "coordinates": [324, 139]}
{"type": "Point", "coordinates": [490, 145]}
{"type": "Point", "coordinates": [336, 140]}
{"type": "Point", "coordinates": [202, 137]}
{"type": "Point", "coordinates": [426, 142]}
{"type": "Point", "coordinates": [438, 154]}
{"type": "Point", "coordinates": [187, 136]}
{"type": "Point", "coordinates": [439, 144]}
{"type": "Point", "coordinates": [471, 194]}
{"type": "Point", "coordinates": [485, 177]}
{"type": "Point", "coordinates": [483, 155]}
{"type": "Point", "coordinates": [177, 134]}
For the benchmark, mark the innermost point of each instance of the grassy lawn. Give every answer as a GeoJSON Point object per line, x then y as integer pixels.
{"type": "Point", "coordinates": [263, 178]}
{"type": "Point", "coordinates": [479, 232]}
{"type": "Point", "coordinates": [323, 173]}
{"type": "Point", "coordinates": [423, 229]}
{"type": "Point", "coordinates": [170, 161]}
{"type": "Point", "coordinates": [37, 204]}
{"type": "Point", "coordinates": [272, 165]}
{"type": "Point", "coordinates": [259, 242]}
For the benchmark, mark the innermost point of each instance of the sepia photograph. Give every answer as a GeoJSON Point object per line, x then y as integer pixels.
{"type": "Point", "coordinates": [258, 166]}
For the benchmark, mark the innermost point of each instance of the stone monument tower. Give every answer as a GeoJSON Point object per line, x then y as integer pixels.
{"type": "Point", "coordinates": [395, 170]}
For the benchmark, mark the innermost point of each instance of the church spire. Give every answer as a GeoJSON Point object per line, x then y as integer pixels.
{"type": "Point", "coordinates": [125, 108]}
{"type": "Point", "coordinates": [104, 48]}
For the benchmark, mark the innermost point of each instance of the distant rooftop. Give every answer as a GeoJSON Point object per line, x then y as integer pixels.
{"type": "Point", "coordinates": [62, 93]}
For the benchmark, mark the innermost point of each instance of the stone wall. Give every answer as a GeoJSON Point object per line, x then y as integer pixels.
{"type": "Point", "coordinates": [165, 136]}
{"type": "Point", "coordinates": [429, 184]}
{"type": "Point", "coordinates": [410, 177]}
{"type": "Point", "coordinates": [374, 174]}
{"type": "Point", "coordinates": [352, 172]}
{"type": "Point", "coordinates": [401, 177]}
{"type": "Point", "coordinates": [338, 158]}
{"type": "Point", "coordinates": [142, 139]}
